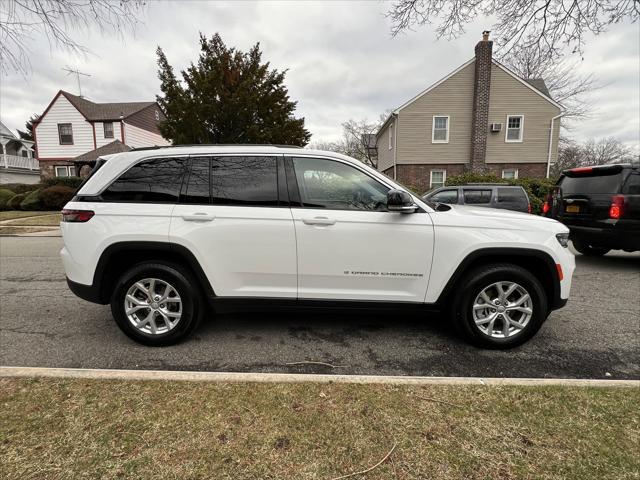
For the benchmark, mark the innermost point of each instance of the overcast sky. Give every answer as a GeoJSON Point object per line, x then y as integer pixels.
{"type": "Point", "coordinates": [342, 62]}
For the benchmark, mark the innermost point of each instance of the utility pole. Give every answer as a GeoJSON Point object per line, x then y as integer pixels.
{"type": "Point", "coordinates": [77, 73]}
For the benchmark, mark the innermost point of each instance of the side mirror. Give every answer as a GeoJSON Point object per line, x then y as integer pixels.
{"type": "Point", "coordinates": [400, 201]}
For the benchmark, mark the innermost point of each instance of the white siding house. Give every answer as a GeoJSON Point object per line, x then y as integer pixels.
{"type": "Point", "coordinates": [72, 129]}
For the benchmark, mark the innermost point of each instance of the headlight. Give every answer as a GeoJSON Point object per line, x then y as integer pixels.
{"type": "Point", "coordinates": [563, 239]}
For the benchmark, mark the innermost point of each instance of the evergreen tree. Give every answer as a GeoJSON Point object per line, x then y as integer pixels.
{"type": "Point", "coordinates": [227, 97]}
{"type": "Point", "coordinates": [28, 134]}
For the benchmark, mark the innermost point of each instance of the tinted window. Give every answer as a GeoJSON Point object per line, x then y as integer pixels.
{"type": "Point", "coordinates": [511, 195]}
{"type": "Point", "coordinates": [197, 188]}
{"type": "Point", "coordinates": [157, 180]}
{"type": "Point", "coordinates": [251, 181]}
{"type": "Point", "coordinates": [632, 185]}
{"type": "Point", "coordinates": [591, 184]}
{"type": "Point", "coordinates": [445, 196]}
{"type": "Point", "coordinates": [475, 197]}
{"type": "Point", "coordinates": [337, 186]}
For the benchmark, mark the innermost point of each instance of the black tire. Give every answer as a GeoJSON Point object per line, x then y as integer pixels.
{"type": "Point", "coordinates": [589, 250]}
{"type": "Point", "coordinates": [477, 280]}
{"type": "Point", "coordinates": [184, 284]}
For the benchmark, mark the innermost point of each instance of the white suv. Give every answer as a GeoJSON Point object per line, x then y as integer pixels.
{"type": "Point", "coordinates": [161, 234]}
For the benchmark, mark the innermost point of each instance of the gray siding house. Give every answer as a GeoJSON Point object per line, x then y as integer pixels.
{"type": "Point", "coordinates": [481, 117]}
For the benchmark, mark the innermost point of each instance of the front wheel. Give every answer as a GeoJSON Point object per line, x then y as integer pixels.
{"type": "Point", "coordinates": [499, 306]}
{"type": "Point", "coordinates": [156, 304]}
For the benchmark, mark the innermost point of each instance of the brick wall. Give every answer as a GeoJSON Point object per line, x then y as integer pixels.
{"type": "Point", "coordinates": [47, 169]}
{"type": "Point", "coordinates": [418, 176]}
{"type": "Point", "coordinates": [525, 170]}
{"type": "Point", "coordinates": [481, 98]}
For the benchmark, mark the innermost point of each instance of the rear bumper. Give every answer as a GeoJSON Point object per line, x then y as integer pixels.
{"type": "Point", "coordinates": [614, 237]}
{"type": "Point", "coordinates": [85, 292]}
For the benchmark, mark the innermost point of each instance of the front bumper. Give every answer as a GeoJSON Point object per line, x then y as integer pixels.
{"type": "Point", "coordinates": [85, 292]}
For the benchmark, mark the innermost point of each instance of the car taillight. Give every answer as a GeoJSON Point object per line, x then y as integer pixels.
{"type": "Point", "coordinates": [581, 170]}
{"type": "Point", "coordinates": [617, 206]}
{"type": "Point", "coordinates": [77, 216]}
{"type": "Point", "coordinates": [545, 207]}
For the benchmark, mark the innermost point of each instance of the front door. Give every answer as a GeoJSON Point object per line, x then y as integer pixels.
{"type": "Point", "coordinates": [234, 221]}
{"type": "Point", "coordinates": [349, 246]}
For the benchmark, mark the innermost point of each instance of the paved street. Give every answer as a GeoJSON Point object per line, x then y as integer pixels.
{"type": "Point", "coordinates": [43, 324]}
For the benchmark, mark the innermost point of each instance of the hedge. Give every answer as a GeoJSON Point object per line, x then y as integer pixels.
{"type": "Point", "coordinates": [56, 197]}
{"type": "Point", "coordinates": [21, 187]}
{"type": "Point", "coordinates": [32, 201]}
{"type": "Point", "coordinates": [5, 196]}
{"type": "Point", "coordinates": [71, 182]}
{"type": "Point", "coordinates": [15, 201]}
{"type": "Point", "coordinates": [536, 188]}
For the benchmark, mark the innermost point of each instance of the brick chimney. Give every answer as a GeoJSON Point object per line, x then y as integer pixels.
{"type": "Point", "coordinates": [481, 89]}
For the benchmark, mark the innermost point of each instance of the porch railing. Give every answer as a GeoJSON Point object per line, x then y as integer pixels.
{"type": "Point", "coordinates": [16, 161]}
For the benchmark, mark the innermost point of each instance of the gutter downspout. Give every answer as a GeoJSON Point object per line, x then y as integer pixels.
{"type": "Point", "coordinates": [395, 144]}
{"type": "Point", "coordinates": [551, 143]}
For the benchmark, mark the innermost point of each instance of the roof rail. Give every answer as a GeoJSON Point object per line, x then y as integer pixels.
{"type": "Point", "coordinates": [156, 147]}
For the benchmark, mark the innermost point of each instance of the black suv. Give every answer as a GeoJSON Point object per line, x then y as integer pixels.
{"type": "Point", "coordinates": [601, 207]}
{"type": "Point", "coordinates": [507, 197]}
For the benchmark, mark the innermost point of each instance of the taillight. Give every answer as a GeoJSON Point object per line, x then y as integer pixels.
{"type": "Point", "coordinates": [77, 216]}
{"type": "Point", "coordinates": [545, 207]}
{"type": "Point", "coordinates": [581, 170]}
{"type": "Point", "coordinates": [617, 206]}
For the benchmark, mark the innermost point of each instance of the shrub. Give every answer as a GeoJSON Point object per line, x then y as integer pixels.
{"type": "Point", "coordinates": [56, 197]}
{"type": "Point", "coordinates": [21, 187]}
{"type": "Point", "coordinates": [15, 201]}
{"type": "Point", "coordinates": [5, 196]}
{"type": "Point", "coordinates": [32, 201]}
{"type": "Point", "coordinates": [71, 182]}
{"type": "Point", "coordinates": [536, 188]}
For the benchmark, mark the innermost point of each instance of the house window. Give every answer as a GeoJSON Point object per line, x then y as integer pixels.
{"type": "Point", "coordinates": [438, 177]}
{"type": "Point", "coordinates": [515, 124]}
{"type": "Point", "coordinates": [108, 129]}
{"type": "Point", "coordinates": [440, 129]}
{"type": "Point", "coordinates": [65, 171]}
{"type": "Point", "coordinates": [390, 137]}
{"type": "Point", "coordinates": [65, 134]}
{"type": "Point", "coordinates": [510, 173]}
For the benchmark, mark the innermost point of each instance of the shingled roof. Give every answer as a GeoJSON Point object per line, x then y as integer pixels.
{"type": "Point", "coordinates": [104, 111]}
{"type": "Point", "coordinates": [114, 147]}
{"type": "Point", "coordinates": [538, 84]}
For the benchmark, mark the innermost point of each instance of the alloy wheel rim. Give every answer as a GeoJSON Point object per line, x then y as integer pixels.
{"type": "Point", "coordinates": [502, 310]}
{"type": "Point", "coordinates": [153, 306]}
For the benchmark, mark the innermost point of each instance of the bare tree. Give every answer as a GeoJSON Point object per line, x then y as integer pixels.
{"type": "Point", "coordinates": [21, 20]}
{"type": "Point", "coordinates": [593, 152]}
{"type": "Point", "coordinates": [566, 85]}
{"type": "Point", "coordinates": [358, 141]}
{"type": "Point", "coordinates": [546, 25]}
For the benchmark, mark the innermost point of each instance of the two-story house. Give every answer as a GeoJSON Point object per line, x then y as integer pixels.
{"type": "Point", "coordinates": [73, 131]}
{"type": "Point", "coordinates": [17, 164]}
{"type": "Point", "coordinates": [481, 117]}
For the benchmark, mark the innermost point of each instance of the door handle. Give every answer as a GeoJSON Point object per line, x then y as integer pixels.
{"type": "Point", "coordinates": [198, 217]}
{"type": "Point", "coordinates": [318, 221]}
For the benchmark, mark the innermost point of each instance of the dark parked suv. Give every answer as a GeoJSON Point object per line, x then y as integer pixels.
{"type": "Point", "coordinates": [507, 197]}
{"type": "Point", "coordinates": [601, 207]}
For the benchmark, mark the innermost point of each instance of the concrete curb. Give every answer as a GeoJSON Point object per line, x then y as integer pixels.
{"type": "Point", "coordinates": [103, 374]}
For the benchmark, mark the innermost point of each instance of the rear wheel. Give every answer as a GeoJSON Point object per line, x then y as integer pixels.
{"type": "Point", "coordinates": [156, 304]}
{"type": "Point", "coordinates": [589, 250]}
{"type": "Point", "coordinates": [499, 306]}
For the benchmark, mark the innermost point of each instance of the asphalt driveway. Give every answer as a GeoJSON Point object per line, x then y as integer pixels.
{"type": "Point", "coordinates": [43, 324]}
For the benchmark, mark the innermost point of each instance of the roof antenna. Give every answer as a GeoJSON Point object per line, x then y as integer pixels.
{"type": "Point", "coordinates": [77, 73]}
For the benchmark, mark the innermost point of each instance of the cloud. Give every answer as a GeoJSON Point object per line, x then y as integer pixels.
{"type": "Point", "coordinates": [342, 62]}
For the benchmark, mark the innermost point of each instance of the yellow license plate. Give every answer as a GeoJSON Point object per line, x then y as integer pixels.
{"type": "Point", "coordinates": [573, 208]}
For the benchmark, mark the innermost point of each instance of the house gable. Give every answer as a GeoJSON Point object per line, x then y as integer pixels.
{"type": "Point", "coordinates": [513, 96]}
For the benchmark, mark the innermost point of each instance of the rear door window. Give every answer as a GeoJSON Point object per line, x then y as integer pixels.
{"type": "Point", "coordinates": [477, 196]}
{"type": "Point", "coordinates": [248, 181]}
{"type": "Point", "coordinates": [151, 181]}
{"type": "Point", "coordinates": [197, 189]}
{"type": "Point", "coordinates": [445, 196]}
{"type": "Point", "coordinates": [591, 184]}
{"type": "Point", "coordinates": [511, 195]}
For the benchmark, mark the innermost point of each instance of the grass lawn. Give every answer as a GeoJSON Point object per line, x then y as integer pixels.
{"type": "Point", "coordinates": [66, 428]}
{"type": "Point", "coordinates": [11, 214]}
{"type": "Point", "coordinates": [19, 230]}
